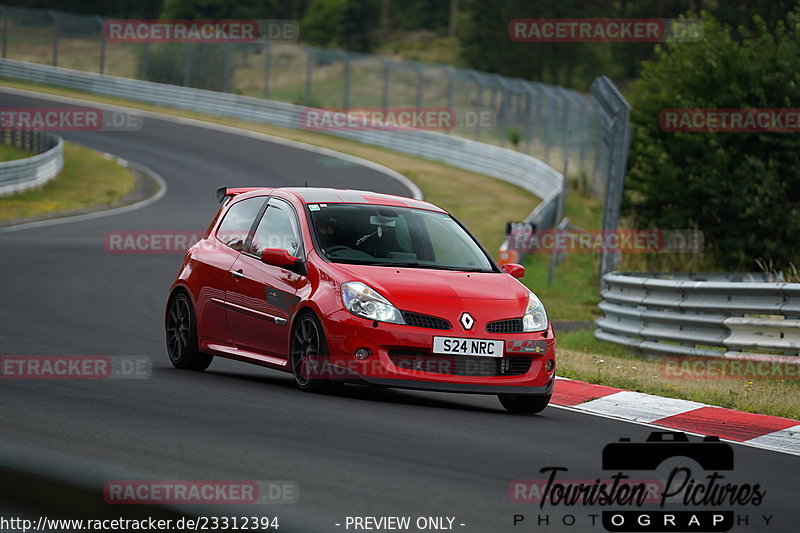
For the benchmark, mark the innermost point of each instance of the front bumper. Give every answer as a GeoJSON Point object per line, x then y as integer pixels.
{"type": "Point", "coordinates": [521, 370]}
{"type": "Point", "coordinates": [466, 388]}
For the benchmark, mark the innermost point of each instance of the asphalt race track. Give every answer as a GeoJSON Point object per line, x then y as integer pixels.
{"type": "Point", "coordinates": [363, 452]}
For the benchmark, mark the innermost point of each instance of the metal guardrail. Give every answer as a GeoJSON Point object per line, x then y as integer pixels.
{"type": "Point", "coordinates": [31, 172]}
{"type": "Point", "coordinates": [507, 165]}
{"type": "Point", "coordinates": [551, 123]}
{"type": "Point", "coordinates": [709, 315]}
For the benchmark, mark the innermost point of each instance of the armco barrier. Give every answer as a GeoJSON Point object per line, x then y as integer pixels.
{"type": "Point", "coordinates": [24, 174]}
{"type": "Point", "coordinates": [507, 165]}
{"type": "Point", "coordinates": [713, 315]}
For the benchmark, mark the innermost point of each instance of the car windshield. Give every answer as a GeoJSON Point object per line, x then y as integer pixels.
{"type": "Point", "coordinates": [395, 236]}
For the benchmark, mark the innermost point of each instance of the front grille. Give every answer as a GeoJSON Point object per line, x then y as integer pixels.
{"type": "Point", "coordinates": [459, 365]}
{"type": "Point", "coordinates": [512, 325]}
{"type": "Point", "coordinates": [424, 321]}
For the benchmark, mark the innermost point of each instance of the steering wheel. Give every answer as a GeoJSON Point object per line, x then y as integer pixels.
{"type": "Point", "coordinates": [335, 249]}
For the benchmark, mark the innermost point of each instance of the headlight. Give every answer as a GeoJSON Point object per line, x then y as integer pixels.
{"type": "Point", "coordinates": [364, 301]}
{"type": "Point", "coordinates": [535, 318]}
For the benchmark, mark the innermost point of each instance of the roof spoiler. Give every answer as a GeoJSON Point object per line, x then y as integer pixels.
{"type": "Point", "coordinates": [222, 192]}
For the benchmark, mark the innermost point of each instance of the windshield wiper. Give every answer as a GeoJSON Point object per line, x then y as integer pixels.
{"type": "Point", "coordinates": [417, 264]}
{"type": "Point", "coordinates": [409, 264]}
{"type": "Point", "coordinates": [463, 269]}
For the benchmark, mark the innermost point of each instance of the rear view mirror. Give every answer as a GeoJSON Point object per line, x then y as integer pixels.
{"type": "Point", "coordinates": [514, 270]}
{"type": "Point", "coordinates": [278, 257]}
{"type": "Point", "coordinates": [377, 220]}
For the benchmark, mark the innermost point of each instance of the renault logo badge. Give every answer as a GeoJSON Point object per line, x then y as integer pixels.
{"type": "Point", "coordinates": [466, 320]}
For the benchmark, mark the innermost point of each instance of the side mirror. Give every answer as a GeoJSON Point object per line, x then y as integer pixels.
{"type": "Point", "coordinates": [515, 270]}
{"type": "Point", "coordinates": [278, 257]}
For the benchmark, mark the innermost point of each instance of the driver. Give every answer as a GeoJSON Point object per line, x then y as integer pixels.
{"type": "Point", "coordinates": [327, 229]}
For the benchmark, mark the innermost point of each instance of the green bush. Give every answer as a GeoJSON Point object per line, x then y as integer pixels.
{"type": "Point", "coordinates": [741, 189]}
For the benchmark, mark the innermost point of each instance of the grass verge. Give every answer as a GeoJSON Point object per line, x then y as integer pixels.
{"type": "Point", "coordinates": [582, 357]}
{"type": "Point", "coordinates": [10, 153]}
{"type": "Point", "coordinates": [87, 181]}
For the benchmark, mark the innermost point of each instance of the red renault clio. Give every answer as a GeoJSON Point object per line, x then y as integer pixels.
{"type": "Point", "coordinates": [341, 286]}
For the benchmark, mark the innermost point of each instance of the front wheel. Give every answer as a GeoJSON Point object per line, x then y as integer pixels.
{"type": "Point", "coordinates": [524, 404]}
{"type": "Point", "coordinates": [182, 336]}
{"type": "Point", "coordinates": [309, 355]}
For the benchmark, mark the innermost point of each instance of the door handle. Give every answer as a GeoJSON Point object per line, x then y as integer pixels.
{"type": "Point", "coordinates": [238, 274]}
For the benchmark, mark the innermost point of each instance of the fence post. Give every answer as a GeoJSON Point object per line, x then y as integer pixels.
{"type": "Point", "coordinates": [565, 137]}
{"type": "Point", "coordinates": [448, 70]}
{"type": "Point", "coordinates": [56, 35]}
{"type": "Point", "coordinates": [100, 21]}
{"type": "Point", "coordinates": [5, 31]}
{"type": "Point", "coordinates": [143, 65]}
{"type": "Point", "coordinates": [505, 97]}
{"type": "Point", "coordinates": [539, 104]}
{"type": "Point", "coordinates": [347, 74]}
{"type": "Point", "coordinates": [187, 65]}
{"type": "Point", "coordinates": [385, 96]}
{"type": "Point", "coordinates": [267, 66]}
{"type": "Point", "coordinates": [584, 135]}
{"type": "Point", "coordinates": [309, 69]}
{"type": "Point", "coordinates": [491, 97]}
{"type": "Point", "coordinates": [529, 130]}
{"type": "Point", "coordinates": [549, 133]}
{"type": "Point", "coordinates": [599, 148]}
{"type": "Point", "coordinates": [479, 98]}
{"type": "Point", "coordinates": [420, 85]}
{"type": "Point", "coordinates": [226, 69]}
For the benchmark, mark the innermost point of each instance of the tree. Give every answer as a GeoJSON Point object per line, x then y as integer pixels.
{"type": "Point", "coordinates": [348, 24]}
{"type": "Point", "coordinates": [235, 9]}
{"type": "Point", "coordinates": [485, 45]}
{"type": "Point", "coordinates": [741, 189]}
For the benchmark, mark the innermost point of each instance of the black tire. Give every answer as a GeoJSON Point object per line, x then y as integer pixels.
{"type": "Point", "coordinates": [524, 404]}
{"type": "Point", "coordinates": [181, 336]}
{"type": "Point", "coordinates": [309, 355]}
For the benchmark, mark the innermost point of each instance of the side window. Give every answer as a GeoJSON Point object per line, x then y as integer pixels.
{"type": "Point", "coordinates": [238, 221]}
{"type": "Point", "coordinates": [276, 230]}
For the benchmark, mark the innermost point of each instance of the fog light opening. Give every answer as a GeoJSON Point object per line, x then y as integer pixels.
{"type": "Point", "coordinates": [548, 366]}
{"type": "Point", "coordinates": [362, 353]}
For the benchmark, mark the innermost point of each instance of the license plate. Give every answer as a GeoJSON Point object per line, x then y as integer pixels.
{"type": "Point", "coordinates": [455, 345]}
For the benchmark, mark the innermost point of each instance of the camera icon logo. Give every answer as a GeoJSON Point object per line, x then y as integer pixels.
{"type": "Point", "coordinates": [711, 453]}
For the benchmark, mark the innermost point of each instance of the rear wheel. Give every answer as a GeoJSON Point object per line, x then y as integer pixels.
{"type": "Point", "coordinates": [182, 336]}
{"type": "Point", "coordinates": [309, 355]}
{"type": "Point", "coordinates": [524, 404]}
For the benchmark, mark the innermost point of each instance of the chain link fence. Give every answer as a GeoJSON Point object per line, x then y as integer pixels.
{"type": "Point", "coordinates": [558, 126]}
